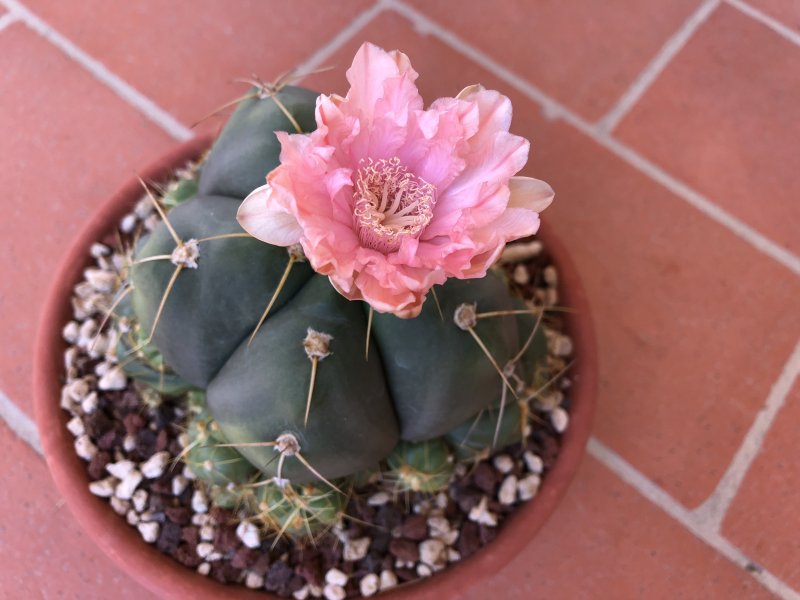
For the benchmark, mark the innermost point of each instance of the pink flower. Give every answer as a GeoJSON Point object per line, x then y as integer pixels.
{"type": "Point", "coordinates": [387, 198]}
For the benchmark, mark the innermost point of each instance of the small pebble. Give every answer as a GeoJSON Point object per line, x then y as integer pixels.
{"type": "Point", "coordinates": [214, 556]}
{"type": "Point", "coordinates": [533, 462]}
{"type": "Point", "coordinates": [433, 553]}
{"type": "Point", "coordinates": [139, 500]}
{"type": "Point", "coordinates": [75, 426]}
{"type": "Point", "coordinates": [114, 379]}
{"type": "Point", "coordinates": [254, 581]}
{"type": "Point", "coordinates": [121, 468]}
{"type": "Point", "coordinates": [378, 499]}
{"type": "Point", "coordinates": [149, 531]}
{"type": "Point", "coordinates": [424, 570]}
{"type": "Point", "coordinates": [508, 491]}
{"type": "Point", "coordinates": [388, 580]}
{"type": "Point", "coordinates": [71, 332]}
{"type": "Point", "coordinates": [201, 519]}
{"type": "Point", "coordinates": [453, 555]}
{"type": "Point", "coordinates": [121, 507]}
{"type": "Point", "coordinates": [503, 463]}
{"type": "Point", "coordinates": [527, 487]}
{"type": "Point", "coordinates": [438, 526]}
{"type": "Point", "coordinates": [302, 593]}
{"type": "Point", "coordinates": [132, 517]}
{"type": "Point", "coordinates": [128, 485]}
{"type": "Point", "coordinates": [207, 532]}
{"type": "Point", "coordinates": [336, 577]}
{"type": "Point", "coordinates": [85, 448]}
{"type": "Point", "coordinates": [204, 549]}
{"type": "Point", "coordinates": [179, 483]}
{"type": "Point", "coordinates": [154, 466]}
{"type": "Point", "coordinates": [129, 443]}
{"type": "Point", "coordinates": [103, 488]}
{"type": "Point", "coordinates": [550, 275]}
{"type": "Point", "coordinates": [369, 585]}
{"type": "Point", "coordinates": [481, 514]}
{"type": "Point", "coordinates": [247, 532]}
{"type": "Point", "coordinates": [204, 568]}
{"type": "Point", "coordinates": [128, 223]}
{"type": "Point", "coordinates": [77, 390]}
{"type": "Point", "coordinates": [561, 345]}
{"type": "Point", "coordinates": [521, 275]}
{"type": "Point", "coordinates": [334, 592]}
{"type": "Point", "coordinates": [89, 404]}
{"type": "Point", "coordinates": [560, 419]}
{"type": "Point", "coordinates": [97, 250]}
{"type": "Point", "coordinates": [188, 473]}
{"type": "Point", "coordinates": [355, 550]}
{"type": "Point", "coordinates": [199, 501]}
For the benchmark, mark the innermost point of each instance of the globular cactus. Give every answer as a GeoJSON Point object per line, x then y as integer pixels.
{"type": "Point", "coordinates": [306, 391]}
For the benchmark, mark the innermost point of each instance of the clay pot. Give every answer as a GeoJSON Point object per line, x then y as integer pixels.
{"type": "Point", "coordinates": [168, 578]}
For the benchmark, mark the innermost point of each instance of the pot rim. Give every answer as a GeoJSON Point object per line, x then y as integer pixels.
{"type": "Point", "coordinates": [168, 578]}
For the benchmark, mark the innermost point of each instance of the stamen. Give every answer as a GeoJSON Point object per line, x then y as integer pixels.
{"type": "Point", "coordinates": [390, 203]}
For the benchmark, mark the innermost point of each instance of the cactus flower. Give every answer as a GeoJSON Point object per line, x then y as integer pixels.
{"type": "Point", "coordinates": [388, 198]}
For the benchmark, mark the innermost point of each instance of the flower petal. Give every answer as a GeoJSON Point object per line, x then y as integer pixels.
{"type": "Point", "coordinates": [259, 217]}
{"type": "Point", "coordinates": [371, 67]}
{"type": "Point", "coordinates": [529, 193]}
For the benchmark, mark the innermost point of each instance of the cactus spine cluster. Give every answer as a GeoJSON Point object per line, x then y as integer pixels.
{"type": "Point", "coordinates": [298, 394]}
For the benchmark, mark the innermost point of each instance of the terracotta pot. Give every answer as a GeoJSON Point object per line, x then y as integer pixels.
{"type": "Point", "coordinates": [168, 578]}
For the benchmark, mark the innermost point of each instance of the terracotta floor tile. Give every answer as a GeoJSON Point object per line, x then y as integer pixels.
{"type": "Point", "coordinates": [724, 117]}
{"type": "Point", "coordinates": [43, 552]}
{"type": "Point", "coordinates": [185, 54]}
{"type": "Point", "coordinates": [585, 54]}
{"type": "Point", "coordinates": [607, 541]}
{"type": "Point", "coordinates": [67, 143]}
{"type": "Point", "coordinates": [676, 313]}
{"type": "Point", "coordinates": [785, 11]}
{"type": "Point", "coordinates": [763, 519]}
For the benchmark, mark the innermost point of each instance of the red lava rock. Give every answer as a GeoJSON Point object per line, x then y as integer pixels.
{"type": "Point", "coordinates": [162, 441]}
{"type": "Point", "coordinates": [97, 424]}
{"type": "Point", "coordinates": [404, 550]}
{"type": "Point", "coordinates": [187, 555]}
{"type": "Point", "coordinates": [405, 574]}
{"type": "Point", "coordinates": [169, 538]}
{"type": "Point", "coordinates": [191, 535]}
{"type": "Point", "coordinates": [225, 539]}
{"type": "Point", "coordinates": [97, 466]}
{"type": "Point", "coordinates": [415, 527]}
{"type": "Point", "coordinates": [108, 440]}
{"type": "Point", "coordinates": [310, 569]}
{"type": "Point", "coordinates": [133, 422]}
{"type": "Point", "coordinates": [244, 557]}
{"type": "Point", "coordinates": [469, 540]}
{"type": "Point", "coordinates": [295, 583]}
{"type": "Point", "coordinates": [182, 515]}
{"type": "Point", "coordinates": [487, 534]}
{"type": "Point", "coordinates": [261, 565]}
{"type": "Point", "coordinates": [278, 576]}
{"type": "Point", "coordinates": [485, 477]}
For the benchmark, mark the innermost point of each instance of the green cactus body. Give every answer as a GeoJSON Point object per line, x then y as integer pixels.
{"type": "Point", "coordinates": [421, 466]}
{"type": "Point", "coordinates": [299, 511]}
{"type": "Point", "coordinates": [310, 399]}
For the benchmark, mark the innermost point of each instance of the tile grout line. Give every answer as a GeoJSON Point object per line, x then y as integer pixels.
{"type": "Point", "coordinates": [712, 512]}
{"type": "Point", "coordinates": [8, 19]}
{"type": "Point", "coordinates": [679, 513]}
{"type": "Point", "coordinates": [340, 39]}
{"type": "Point", "coordinates": [763, 18]}
{"type": "Point", "coordinates": [554, 110]}
{"type": "Point", "coordinates": [656, 66]}
{"type": "Point", "coordinates": [20, 423]}
{"type": "Point", "coordinates": [97, 69]}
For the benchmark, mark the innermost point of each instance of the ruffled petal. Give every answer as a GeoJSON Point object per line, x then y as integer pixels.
{"type": "Point", "coordinates": [266, 221]}
{"type": "Point", "coordinates": [529, 193]}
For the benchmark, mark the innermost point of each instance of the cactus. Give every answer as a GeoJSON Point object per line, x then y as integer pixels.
{"type": "Point", "coordinates": [306, 392]}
